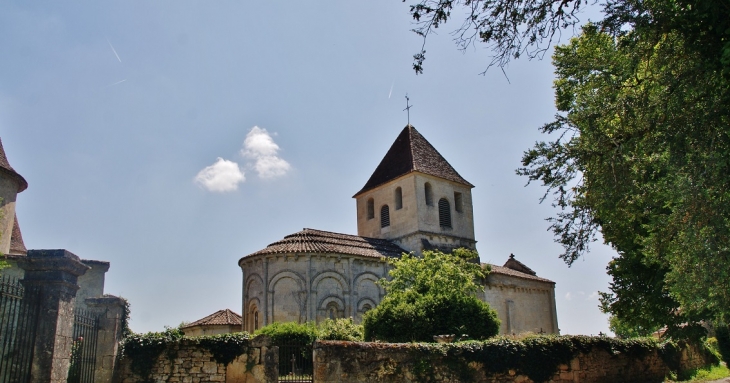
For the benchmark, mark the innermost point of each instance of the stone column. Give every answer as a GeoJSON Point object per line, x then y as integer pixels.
{"type": "Point", "coordinates": [55, 273]}
{"type": "Point", "coordinates": [111, 310]}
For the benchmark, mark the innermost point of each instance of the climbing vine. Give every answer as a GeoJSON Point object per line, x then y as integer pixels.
{"type": "Point", "coordinates": [537, 357]}
{"type": "Point", "coordinates": [225, 347]}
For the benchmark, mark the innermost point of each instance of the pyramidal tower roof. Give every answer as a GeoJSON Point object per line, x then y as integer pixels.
{"type": "Point", "coordinates": [6, 168]}
{"type": "Point", "coordinates": [411, 152]}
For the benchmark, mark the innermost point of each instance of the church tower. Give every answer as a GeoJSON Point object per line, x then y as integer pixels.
{"type": "Point", "coordinates": [416, 199]}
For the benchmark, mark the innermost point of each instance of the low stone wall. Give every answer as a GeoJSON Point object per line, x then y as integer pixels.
{"type": "Point", "coordinates": [188, 362]}
{"type": "Point", "coordinates": [342, 362]}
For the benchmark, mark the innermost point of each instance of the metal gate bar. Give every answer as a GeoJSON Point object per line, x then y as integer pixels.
{"type": "Point", "coordinates": [83, 350]}
{"type": "Point", "coordinates": [295, 363]}
{"type": "Point", "coordinates": [19, 310]}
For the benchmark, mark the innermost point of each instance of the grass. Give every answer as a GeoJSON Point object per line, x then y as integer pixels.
{"type": "Point", "coordinates": [705, 375]}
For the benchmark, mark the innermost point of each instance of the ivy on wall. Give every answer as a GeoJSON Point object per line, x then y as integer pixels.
{"type": "Point", "coordinates": [538, 357]}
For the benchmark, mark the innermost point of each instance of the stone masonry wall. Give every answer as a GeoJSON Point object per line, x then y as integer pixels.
{"type": "Point", "coordinates": [188, 362]}
{"type": "Point", "coordinates": [344, 362]}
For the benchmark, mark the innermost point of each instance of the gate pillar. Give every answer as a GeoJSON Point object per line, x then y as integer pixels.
{"type": "Point", "coordinates": [110, 310]}
{"type": "Point", "coordinates": [55, 273]}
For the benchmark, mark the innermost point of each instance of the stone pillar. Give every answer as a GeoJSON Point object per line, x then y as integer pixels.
{"type": "Point", "coordinates": [55, 273]}
{"type": "Point", "coordinates": [111, 311]}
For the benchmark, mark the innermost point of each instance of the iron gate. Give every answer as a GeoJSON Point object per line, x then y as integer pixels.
{"type": "Point", "coordinates": [296, 363]}
{"type": "Point", "coordinates": [83, 350]}
{"type": "Point", "coordinates": [19, 311]}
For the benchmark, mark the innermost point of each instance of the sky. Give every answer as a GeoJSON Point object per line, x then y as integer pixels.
{"type": "Point", "coordinates": [172, 138]}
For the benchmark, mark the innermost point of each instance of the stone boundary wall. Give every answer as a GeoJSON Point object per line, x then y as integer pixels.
{"type": "Point", "coordinates": [188, 362]}
{"type": "Point", "coordinates": [342, 362]}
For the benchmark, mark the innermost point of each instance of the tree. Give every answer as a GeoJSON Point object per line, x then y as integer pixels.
{"type": "Point", "coordinates": [513, 28]}
{"type": "Point", "coordinates": [642, 149]}
{"type": "Point", "coordinates": [432, 295]}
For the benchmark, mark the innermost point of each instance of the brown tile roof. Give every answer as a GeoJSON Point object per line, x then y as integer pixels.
{"type": "Point", "coordinates": [17, 247]}
{"type": "Point", "coordinates": [514, 273]}
{"type": "Point", "coordinates": [220, 317]}
{"type": "Point", "coordinates": [516, 265]}
{"type": "Point", "coordinates": [411, 153]}
{"type": "Point", "coordinates": [318, 241]}
{"type": "Point", "coordinates": [7, 169]}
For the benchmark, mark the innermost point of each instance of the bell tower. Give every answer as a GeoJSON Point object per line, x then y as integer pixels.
{"type": "Point", "coordinates": [416, 199]}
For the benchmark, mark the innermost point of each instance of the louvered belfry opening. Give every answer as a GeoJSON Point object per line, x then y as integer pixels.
{"type": "Point", "coordinates": [384, 216]}
{"type": "Point", "coordinates": [444, 213]}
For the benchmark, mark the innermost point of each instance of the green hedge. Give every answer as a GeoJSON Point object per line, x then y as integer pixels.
{"type": "Point", "coordinates": [292, 332]}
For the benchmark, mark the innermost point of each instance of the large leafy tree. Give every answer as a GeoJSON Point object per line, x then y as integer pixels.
{"type": "Point", "coordinates": [432, 295]}
{"type": "Point", "coordinates": [641, 147]}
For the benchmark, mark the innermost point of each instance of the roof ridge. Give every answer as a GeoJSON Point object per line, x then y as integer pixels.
{"type": "Point", "coordinates": [231, 317]}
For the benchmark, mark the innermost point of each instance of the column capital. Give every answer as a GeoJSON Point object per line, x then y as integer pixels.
{"type": "Point", "coordinates": [52, 266]}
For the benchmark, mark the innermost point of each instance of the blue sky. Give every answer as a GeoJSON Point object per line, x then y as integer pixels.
{"type": "Point", "coordinates": [171, 138]}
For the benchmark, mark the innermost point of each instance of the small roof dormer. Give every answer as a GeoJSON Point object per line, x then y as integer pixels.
{"type": "Point", "coordinates": [411, 152]}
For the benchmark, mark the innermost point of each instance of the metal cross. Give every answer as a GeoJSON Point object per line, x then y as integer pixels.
{"type": "Point", "coordinates": [408, 108]}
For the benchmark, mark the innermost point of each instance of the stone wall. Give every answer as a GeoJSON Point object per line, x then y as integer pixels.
{"type": "Point", "coordinates": [344, 362]}
{"type": "Point", "coordinates": [188, 362]}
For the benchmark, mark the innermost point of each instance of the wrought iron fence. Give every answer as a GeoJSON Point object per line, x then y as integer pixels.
{"type": "Point", "coordinates": [83, 350]}
{"type": "Point", "coordinates": [296, 363]}
{"type": "Point", "coordinates": [19, 312]}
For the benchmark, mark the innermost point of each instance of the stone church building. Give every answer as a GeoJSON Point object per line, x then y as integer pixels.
{"type": "Point", "coordinates": [414, 201]}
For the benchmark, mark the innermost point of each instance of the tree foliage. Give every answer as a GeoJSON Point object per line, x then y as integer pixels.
{"type": "Point", "coordinates": [641, 147]}
{"type": "Point", "coordinates": [432, 295]}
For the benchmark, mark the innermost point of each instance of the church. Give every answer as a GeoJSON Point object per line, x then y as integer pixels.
{"type": "Point", "coordinates": [414, 201]}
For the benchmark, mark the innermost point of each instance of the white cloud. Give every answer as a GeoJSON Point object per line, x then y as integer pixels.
{"type": "Point", "coordinates": [222, 176]}
{"type": "Point", "coordinates": [260, 147]}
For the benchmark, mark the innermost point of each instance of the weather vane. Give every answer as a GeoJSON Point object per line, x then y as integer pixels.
{"type": "Point", "coordinates": [408, 108]}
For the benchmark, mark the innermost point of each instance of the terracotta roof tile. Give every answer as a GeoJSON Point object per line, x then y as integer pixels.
{"type": "Point", "coordinates": [516, 265]}
{"type": "Point", "coordinates": [318, 241]}
{"type": "Point", "coordinates": [6, 168]}
{"type": "Point", "coordinates": [514, 273]}
{"type": "Point", "coordinates": [17, 247]}
{"type": "Point", "coordinates": [411, 152]}
{"type": "Point", "coordinates": [220, 317]}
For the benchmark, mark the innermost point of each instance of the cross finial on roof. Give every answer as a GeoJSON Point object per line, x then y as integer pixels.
{"type": "Point", "coordinates": [408, 108]}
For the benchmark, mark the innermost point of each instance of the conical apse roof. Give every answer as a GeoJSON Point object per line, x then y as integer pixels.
{"type": "Point", "coordinates": [411, 152]}
{"type": "Point", "coordinates": [7, 169]}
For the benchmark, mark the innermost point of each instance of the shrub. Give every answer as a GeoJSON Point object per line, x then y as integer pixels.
{"type": "Point", "coordinates": [289, 332]}
{"type": "Point", "coordinates": [722, 333]}
{"type": "Point", "coordinates": [340, 329]}
{"type": "Point", "coordinates": [433, 295]}
{"type": "Point", "coordinates": [418, 319]}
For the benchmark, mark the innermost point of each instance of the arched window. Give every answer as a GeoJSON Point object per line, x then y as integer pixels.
{"type": "Point", "coordinates": [398, 198]}
{"type": "Point", "coordinates": [429, 194]}
{"type": "Point", "coordinates": [366, 307]}
{"type": "Point", "coordinates": [384, 216]}
{"type": "Point", "coordinates": [256, 320]}
{"type": "Point", "coordinates": [444, 213]}
{"type": "Point", "coordinates": [371, 208]}
{"type": "Point", "coordinates": [333, 310]}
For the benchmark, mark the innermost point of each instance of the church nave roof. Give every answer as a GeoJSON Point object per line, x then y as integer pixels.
{"type": "Point", "coordinates": [322, 242]}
